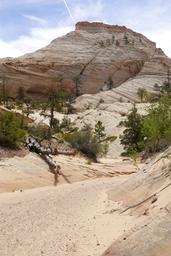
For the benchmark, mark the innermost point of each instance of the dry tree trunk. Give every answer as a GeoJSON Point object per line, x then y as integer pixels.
{"type": "Point", "coordinates": [34, 146]}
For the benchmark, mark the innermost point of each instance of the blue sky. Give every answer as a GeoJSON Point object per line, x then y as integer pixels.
{"type": "Point", "coordinates": [27, 25]}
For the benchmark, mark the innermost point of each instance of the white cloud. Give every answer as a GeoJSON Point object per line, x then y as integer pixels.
{"type": "Point", "coordinates": [7, 49]}
{"type": "Point", "coordinates": [162, 37]}
{"type": "Point", "coordinates": [35, 19]}
{"type": "Point", "coordinates": [38, 38]}
{"type": "Point", "coordinates": [8, 3]}
{"type": "Point", "coordinates": [152, 21]}
{"type": "Point", "coordinates": [43, 35]}
{"type": "Point", "coordinates": [92, 9]}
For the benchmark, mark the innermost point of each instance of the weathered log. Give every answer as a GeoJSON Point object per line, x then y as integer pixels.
{"type": "Point", "coordinates": [44, 153]}
{"type": "Point", "coordinates": [66, 152]}
{"type": "Point", "coordinates": [34, 146]}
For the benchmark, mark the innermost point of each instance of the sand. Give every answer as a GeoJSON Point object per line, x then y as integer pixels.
{"type": "Point", "coordinates": [20, 173]}
{"type": "Point", "coordinates": [74, 218]}
{"type": "Point", "coordinates": [71, 219]}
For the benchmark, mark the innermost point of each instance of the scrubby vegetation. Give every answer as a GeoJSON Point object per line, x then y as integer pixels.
{"type": "Point", "coordinates": [110, 83]}
{"type": "Point", "coordinates": [133, 136]}
{"type": "Point", "coordinates": [150, 133]}
{"type": "Point", "coordinates": [11, 133]}
{"type": "Point", "coordinates": [144, 134]}
{"type": "Point", "coordinates": [157, 125]}
{"type": "Point", "coordinates": [86, 142]}
{"type": "Point", "coordinates": [89, 141]}
{"type": "Point", "coordinates": [40, 132]}
{"type": "Point", "coordinates": [143, 94]}
{"type": "Point", "coordinates": [165, 88]}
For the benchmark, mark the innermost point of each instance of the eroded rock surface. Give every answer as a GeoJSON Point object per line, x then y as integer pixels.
{"type": "Point", "coordinates": [92, 53]}
{"type": "Point", "coordinates": [146, 196]}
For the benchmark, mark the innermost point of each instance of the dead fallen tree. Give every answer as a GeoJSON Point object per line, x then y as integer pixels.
{"type": "Point", "coordinates": [58, 148]}
{"type": "Point", "coordinates": [44, 152]}
{"type": "Point", "coordinates": [34, 146]}
{"type": "Point", "coordinates": [66, 152]}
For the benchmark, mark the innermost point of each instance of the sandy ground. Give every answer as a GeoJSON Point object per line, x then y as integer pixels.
{"type": "Point", "coordinates": [73, 218]}
{"type": "Point", "coordinates": [96, 209]}
{"type": "Point", "coordinates": [31, 171]}
{"type": "Point", "coordinates": [76, 219]}
{"type": "Point", "coordinates": [107, 213]}
{"type": "Point", "coordinates": [21, 173]}
{"type": "Point", "coordinates": [146, 196]}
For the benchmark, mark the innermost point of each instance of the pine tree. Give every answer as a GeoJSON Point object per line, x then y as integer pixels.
{"type": "Point", "coordinates": [142, 93]}
{"type": "Point", "coordinates": [117, 43]}
{"type": "Point", "coordinates": [126, 39]}
{"type": "Point", "coordinates": [77, 83]}
{"type": "Point", "coordinates": [99, 131]}
{"type": "Point", "coordinates": [11, 134]}
{"type": "Point", "coordinates": [133, 138]}
{"type": "Point", "coordinates": [4, 90]}
{"type": "Point", "coordinates": [166, 86]}
{"type": "Point", "coordinates": [56, 101]}
{"type": "Point", "coordinates": [20, 94]}
{"type": "Point", "coordinates": [110, 83]}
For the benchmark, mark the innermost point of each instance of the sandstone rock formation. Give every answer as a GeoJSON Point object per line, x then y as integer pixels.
{"type": "Point", "coordinates": [146, 196]}
{"type": "Point", "coordinates": [91, 54]}
{"type": "Point", "coordinates": [132, 212]}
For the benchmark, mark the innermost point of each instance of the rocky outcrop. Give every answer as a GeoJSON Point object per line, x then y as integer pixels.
{"type": "Point", "coordinates": [92, 54]}
{"type": "Point", "coordinates": [153, 72]}
{"type": "Point", "coordinates": [145, 196]}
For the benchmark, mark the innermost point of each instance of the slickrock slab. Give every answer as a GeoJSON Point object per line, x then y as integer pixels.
{"type": "Point", "coordinates": [93, 53]}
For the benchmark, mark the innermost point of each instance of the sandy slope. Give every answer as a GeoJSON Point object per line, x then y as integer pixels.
{"type": "Point", "coordinates": [146, 195]}
{"type": "Point", "coordinates": [75, 219]}
{"type": "Point", "coordinates": [31, 171]}
{"type": "Point", "coordinates": [124, 215]}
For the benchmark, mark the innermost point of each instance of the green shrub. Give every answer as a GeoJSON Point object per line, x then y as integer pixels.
{"type": "Point", "coordinates": [150, 133]}
{"type": "Point", "coordinates": [133, 137]}
{"type": "Point", "coordinates": [11, 135]}
{"type": "Point", "coordinates": [99, 131]}
{"type": "Point", "coordinates": [143, 94]}
{"type": "Point", "coordinates": [40, 132]}
{"type": "Point", "coordinates": [66, 125]}
{"type": "Point", "coordinates": [165, 88]}
{"type": "Point", "coordinates": [157, 125]}
{"type": "Point", "coordinates": [86, 142]}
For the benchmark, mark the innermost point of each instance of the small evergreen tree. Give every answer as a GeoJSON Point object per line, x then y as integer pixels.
{"type": "Point", "coordinates": [99, 131]}
{"type": "Point", "coordinates": [157, 125]}
{"type": "Point", "coordinates": [56, 101]}
{"type": "Point", "coordinates": [167, 84]}
{"type": "Point", "coordinates": [77, 83]}
{"type": "Point", "coordinates": [39, 131]}
{"type": "Point", "coordinates": [4, 96]}
{"type": "Point", "coordinates": [11, 135]}
{"type": "Point", "coordinates": [117, 43]}
{"type": "Point", "coordinates": [110, 83]}
{"type": "Point", "coordinates": [133, 137]}
{"type": "Point", "coordinates": [101, 44]}
{"type": "Point", "coordinates": [166, 87]}
{"type": "Point", "coordinates": [113, 39]}
{"type": "Point", "coordinates": [142, 94]}
{"type": "Point", "coordinates": [21, 94]}
{"type": "Point", "coordinates": [126, 39]}
{"type": "Point", "coordinates": [150, 133]}
{"type": "Point", "coordinates": [88, 141]}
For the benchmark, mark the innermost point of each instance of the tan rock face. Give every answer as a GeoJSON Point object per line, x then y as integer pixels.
{"type": "Point", "coordinates": [145, 196]}
{"type": "Point", "coordinates": [93, 53]}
